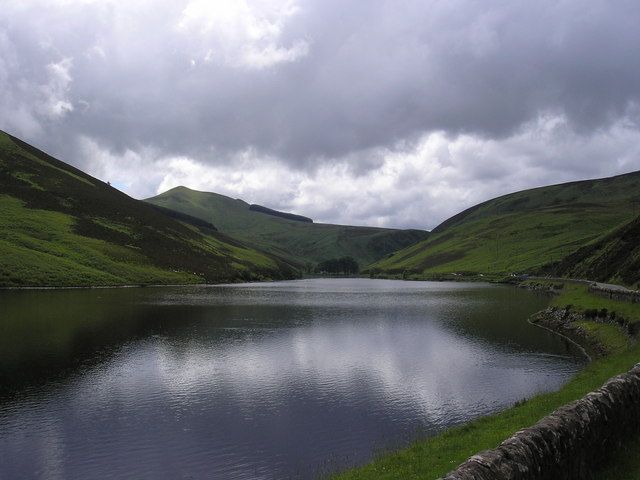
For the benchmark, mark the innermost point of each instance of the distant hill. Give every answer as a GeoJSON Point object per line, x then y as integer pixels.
{"type": "Point", "coordinates": [290, 235]}
{"type": "Point", "coordinates": [522, 231]}
{"type": "Point", "coordinates": [62, 227]}
{"type": "Point", "coordinates": [613, 258]}
{"type": "Point", "coordinates": [276, 213]}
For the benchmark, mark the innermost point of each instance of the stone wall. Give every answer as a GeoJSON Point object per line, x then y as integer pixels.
{"type": "Point", "coordinates": [567, 444]}
{"type": "Point", "coordinates": [632, 296]}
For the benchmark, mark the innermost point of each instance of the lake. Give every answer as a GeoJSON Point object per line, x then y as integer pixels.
{"type": "Point", "coordinates": [257, 381]}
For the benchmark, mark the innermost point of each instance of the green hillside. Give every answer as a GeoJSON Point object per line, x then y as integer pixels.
{"type": "Point", "coordinates": [62, 227]}
{"type": "Point", "coordinates": [523, 230]}
{"type": "Point", "coordinates": [613, 258]}
{"type": "Point", "coordinates": [300, 240]}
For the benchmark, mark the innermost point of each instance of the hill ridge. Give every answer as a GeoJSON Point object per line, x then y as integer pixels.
{"type": "Point", "coordinates": [303, 242]}
{"type": "Point", "coordinates": [521, 231]}
{"type": "Point", "coordinates": [467, 211]}
{"type": "Point", "coordinates": [62, 227]}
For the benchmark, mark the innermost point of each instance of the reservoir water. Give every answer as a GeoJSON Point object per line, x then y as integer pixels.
{"type": "Point", "coordinates": [257, 381]}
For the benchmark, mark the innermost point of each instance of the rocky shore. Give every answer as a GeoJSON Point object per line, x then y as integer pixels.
{"type": "Point", "coordinates": [565, 322]}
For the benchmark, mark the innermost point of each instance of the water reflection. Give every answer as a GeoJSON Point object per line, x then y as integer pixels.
{"type": "Point", "coordinates": [256, 381]}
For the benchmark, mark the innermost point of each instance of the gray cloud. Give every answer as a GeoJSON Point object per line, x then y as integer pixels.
{"type": "Point", "coordinates": [305, 87]}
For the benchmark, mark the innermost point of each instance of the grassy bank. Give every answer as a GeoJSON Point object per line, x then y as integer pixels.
{"type": "Point", "coordinates": [61, 227]}
{"type": "Point", "coordinates": [577, 295]}
{"type": "Point", "coordinates": [433, 457]}
{"type": "Point", "coordinates": [526, 230]}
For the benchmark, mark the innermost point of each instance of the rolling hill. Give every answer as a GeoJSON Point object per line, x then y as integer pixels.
{"type": "Point", "coordinates": [293, 236]}
{"type": "Point", "coordinates": [62, 227]}
{"type": "Point", "coordinates": [614, 258]}
{"type": "Point", "coordinates": [521, 231]}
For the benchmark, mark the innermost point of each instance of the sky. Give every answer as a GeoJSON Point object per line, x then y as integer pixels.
{"type": "Point", "coordinates": [395, 113]}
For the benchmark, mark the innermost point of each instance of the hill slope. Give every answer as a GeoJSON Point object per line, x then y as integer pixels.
{"type": "Point", "coordinates": [613, 258]}
{"type": "Point", "coordinates": [523, 230]}
{"type": "Point", "coordinates": [297, 238]}
{"type": "Point", "coordinates": [60, 226]}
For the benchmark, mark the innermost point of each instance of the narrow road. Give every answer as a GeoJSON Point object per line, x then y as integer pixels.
{"type": "Point", "coordinates": [611, 286]}
{"type": "Point", "coordinates": [599, 285]}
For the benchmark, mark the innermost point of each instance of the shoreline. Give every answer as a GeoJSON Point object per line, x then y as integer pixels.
{"type": "Point", "coordinates": [553, 327]}
{"type": "Point", "coordinates": [140, 285]}
{"type": "Point", "coordinates": [500, 280]}
{"type": "Point", "coordinates": [194, 284]}
{"type": "Point", "coordinates": [556, 332]}
{"type": "Point", "coordinates": [451, 448]}
{"type": "Point", "coordinates": [105, 287]}
{"type": "Point", "coordinates": [204, 284]}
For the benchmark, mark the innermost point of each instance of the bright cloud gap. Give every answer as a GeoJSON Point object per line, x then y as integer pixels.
{"type": "Point", "coordinates": [434, 179]}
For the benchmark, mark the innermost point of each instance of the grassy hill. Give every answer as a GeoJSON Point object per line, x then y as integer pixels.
{"type": "Point", "coordinates": [613, 258]}
{"type": "Point", "coordinates": [523, 230]}
{"type": "Point", "coordinates": [62, 227]}
{"type": "Point", "coordinates": [299, 239]}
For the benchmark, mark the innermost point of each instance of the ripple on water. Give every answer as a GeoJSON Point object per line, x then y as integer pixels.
{"type": "Point", "coordinates": [279, 380]}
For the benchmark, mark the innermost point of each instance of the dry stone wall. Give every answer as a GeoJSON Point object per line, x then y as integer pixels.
{"type": "Point", "coordinates": [567, 444]}
{"type": "Point", "coordinates": [632, 296]}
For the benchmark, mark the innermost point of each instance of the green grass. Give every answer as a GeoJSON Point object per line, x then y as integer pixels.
{"type": "Point", "coordinates": [301, 242]}
{"type": "Point", "coordinates": [611, 336]}
{"type": "Point", "coordinates": [433, 457]}
{"type": "Point", "coordinates": [26, 178]}
{"type": "Point", "coordinates": [614, 258]}
{"type": "Point", "coordinates": [625, 464]}
{"type": "Point", "coordinates": [61, 227]}
{"type": "Point", "coordinates": [40, 248]}
{"type": "Point", "coordinates": [578, 296]}
{"type": "Point", "coordinates": [116, 226]}
{"type": "Point", "coordinates": [8, 147]}
{"type": "Point", "coordinates": [521, 231]}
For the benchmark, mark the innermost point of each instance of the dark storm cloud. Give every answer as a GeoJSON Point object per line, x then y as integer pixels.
{"type": "Point", "coordinates": [320, 83]}
{"type": "Point", "coordinates": [375, 72]}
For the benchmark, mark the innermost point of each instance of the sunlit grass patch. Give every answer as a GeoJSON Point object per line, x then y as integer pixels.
{"type": "Point", "coordinates": [577, 295]}
{"type": "Point", "coordinates": [610, 336]}
{"type": "Point", "coordinates": [40, 248]}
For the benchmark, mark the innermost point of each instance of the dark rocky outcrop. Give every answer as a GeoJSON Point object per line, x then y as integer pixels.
{"type": "Point", "coordinates": [568, 444]}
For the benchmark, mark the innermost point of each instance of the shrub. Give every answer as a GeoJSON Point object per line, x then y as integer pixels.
{"type": "Point", "coordinates": [591, 313]}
